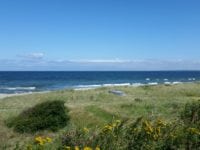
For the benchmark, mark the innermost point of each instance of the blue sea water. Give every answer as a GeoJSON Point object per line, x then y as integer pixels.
{"type": "Point", "coordinates": [21, 82]}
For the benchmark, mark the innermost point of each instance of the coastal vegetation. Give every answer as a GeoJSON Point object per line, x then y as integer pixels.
{"type": "Point", "coordinates": [147, 117]}
{"type": "Point", "coordinates": [49, 115]}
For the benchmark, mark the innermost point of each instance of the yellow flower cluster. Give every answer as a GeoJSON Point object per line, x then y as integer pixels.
{"type": "Point", "coordinates": [148, 127]}
{"type": "Point", "coordinates": [160, 123]}
{"type": "Point", "coordinates": [86, 130]}
{"type": "Point", "coordinates": [77, 148]}
{"type": "Point", "coordinates": [194, 131]}
{"type": "Point", "coordinates": [107, 128]}
{"type": "Point", "coordinates": [154, 130]}
{"type": "Point", "coordinates": [42, 140]}
{"type": "Point", "coordinates": [111, 126]}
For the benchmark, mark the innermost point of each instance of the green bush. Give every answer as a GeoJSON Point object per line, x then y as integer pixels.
{"type": "Point", "coordinates": [108, 137]}
{"type": "Point", "coordinates": [49, 115]}
{"type": "Point", "coordinates": [191, 113]}
{"type": "Point", "coordinates": [191, 118]}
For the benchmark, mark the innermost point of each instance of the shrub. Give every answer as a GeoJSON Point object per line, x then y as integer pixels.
{"type": "Point", "coordinates": [191, 113]}
{"type": "Point", "coordinates": [191, 118]}
{"type": "Point", "coordinates": [49, 115]}
{"type": "Point", "coordinates": [108, 137]}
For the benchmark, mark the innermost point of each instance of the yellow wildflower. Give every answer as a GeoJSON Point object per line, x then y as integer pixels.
{"type": "Point", "coordinates": [147, 127]}
{"type": "Point", "coordinates": [146, 123]}
{"type": "Point", "coordinates": [114, 125]}
{"type": "Point", "coordinates": [87, 148]}
{"type": "Point", "coordinates": [97, 148]}
{"type": "Point", "coordinates": [194, 131]}
{"type": "Point", "coordinates": [86, 130]}
{"type": "Point", "coordinates": [67, 147]}
{"type": "Point", "coordinates": [118, 121]}
{"type": "Point", "coordinates": [76, 148]}
{"type": "Point", "coordinates": [48, 139]}
{"type": "Point", "coordinates": [110, 127]}
{"type": "Point", "coordinates": [107, 128]}
{"type": "Point", "coordinates": [159, 122]}
{"type": "Point", "coordinates": [158, 130]}
{"type": "Point", "coordinates": [39, 140]}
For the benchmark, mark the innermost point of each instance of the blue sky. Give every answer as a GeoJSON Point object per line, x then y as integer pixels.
{"type": "Point", "coordinates": [99, 35]}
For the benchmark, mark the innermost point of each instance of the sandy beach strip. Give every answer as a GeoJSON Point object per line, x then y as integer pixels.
{"type": "Point", "coordinates": [10, 95]}
{"type": "Point", "coordinates": [7, 95]}
{"type": "Point", "coordinates": [21, 94]}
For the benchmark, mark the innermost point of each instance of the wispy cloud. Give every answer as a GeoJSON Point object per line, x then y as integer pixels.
{"type": "Point", "coordinates": [116, 60]}
{"type": "Point", "coordinates": [32, 56]}
{"type": "Point", "coordinates": [37, 61]}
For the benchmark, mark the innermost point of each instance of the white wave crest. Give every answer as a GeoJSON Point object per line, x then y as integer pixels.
{"type": "Point", "coordinates": [153, 83]}
{"type": "Point", "coordinates": [167, 83]}
{"type": "Point", "coordinates": [20, 88]}
{"type": "Point", "coordinates": [117, 84]}
{"type": "Point", "coordinates": [89, 86]}
{"type": "Point", "coordinates": [137, 84]}
{"type": "Point", "coordinates": [176, 82]}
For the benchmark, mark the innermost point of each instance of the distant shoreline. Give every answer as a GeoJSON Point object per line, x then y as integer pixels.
{"type": "Point", "coordinates": [10, 95]}
{"type": "Point", "coordinates": [4, 95]}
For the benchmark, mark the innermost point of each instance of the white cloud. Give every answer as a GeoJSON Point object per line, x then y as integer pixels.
{"type": "Point", "coordinates": [36, 55]}
{"type": "Point", "coordinates": [36, 61]}
{"type": "Point", "coordinates": [33, 56]}
{"type": "Point", "coordinates": [101, 61]}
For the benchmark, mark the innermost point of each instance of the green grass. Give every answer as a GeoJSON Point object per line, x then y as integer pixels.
{"type": "Point", "coordinates": [100, 113]}
{"type": "Point", "coordinates": [96, 107]}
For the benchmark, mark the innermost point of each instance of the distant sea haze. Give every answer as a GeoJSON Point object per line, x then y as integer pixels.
{"type": "Point", "coordinates": [30, 81]}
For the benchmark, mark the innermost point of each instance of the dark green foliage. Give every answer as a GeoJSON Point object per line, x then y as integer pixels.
{"type": "Point", "coordinates": [49, 115]}
{"type": "Point", "coordinates": [143, 133]}
{"type": "Point", "coordinates": [191, 118]}
{"type": "Point", "coordinates": [191, 113]}
{"type": "Point", "coordinates": [138, 99]}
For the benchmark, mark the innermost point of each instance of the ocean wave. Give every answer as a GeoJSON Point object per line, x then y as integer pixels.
{"type": "Point", "coordinates": [19, 88]}
{"type": "Point", "coordinates": [191, 79]}
{"type": "Point", "coordinates": [117, 84]}
{"type": "Point", "coordinates": [176, 82]}
{"type": "Point", "coordinates": [82, 89]}
{"type": "Point", "coordinates": [167, 83]}
{"type": "Point", "coordinates": [137, 84]}
{"type": "Point", "coordinates": [86, 86]}
{"type": "Point", "coordinates": [93, 86]}
{"type": "Point", "coordinates": [153, 83]}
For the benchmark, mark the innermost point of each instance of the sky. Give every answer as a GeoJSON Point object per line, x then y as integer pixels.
{"type": "Point", "coordinates": [99, 35]}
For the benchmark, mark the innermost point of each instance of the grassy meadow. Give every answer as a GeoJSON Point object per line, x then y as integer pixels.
{"type": "Point", "coordinates": [94, 108]}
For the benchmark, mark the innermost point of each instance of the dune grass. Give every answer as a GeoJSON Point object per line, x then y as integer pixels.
{"type": "Point", "coordinates": [96, 107]}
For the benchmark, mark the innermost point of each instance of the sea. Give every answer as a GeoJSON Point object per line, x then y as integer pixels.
{"type": "Point", "coordinates": [35, 81]}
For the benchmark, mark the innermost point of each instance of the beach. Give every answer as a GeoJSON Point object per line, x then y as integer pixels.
{"type": "Point", "coordinates": [9, 95]}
